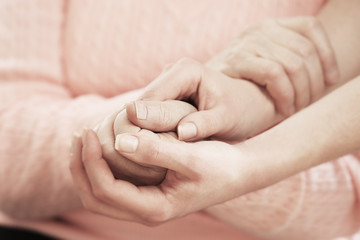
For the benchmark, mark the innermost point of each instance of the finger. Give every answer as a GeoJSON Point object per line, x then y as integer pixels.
{"type": "Point", "coordinates": [83, 186]}
{"type": "Point", "coordinates": [120, 166]}
{"type": "Point", "coordinates": [92, 154]}
{"type": "Point", "coordinates": [167, 67]}
{"type": "Point", "coordinates": [297, 72]}
{"type": "Point", "coordinates": [135, 202]}
{"type": "Point", "coordinates": [202, 124]}
{"type": "Point", "coordinates": [95, 177]}
{"type": "Point", "coordinates": [123, 168]}
{"type": "Point", "coordinates": [122, 124]}
{"type": "Point", "coordinates": [148, 149]}
{"type": "Point", "coordinates": [76, 167]}
{"type": "Point", "coordinates": [158, 116]}
{"type": "Point", "coordinates": [178, 82]}
{"type": "Point", "coordinates": [270, 74]}
{"type": "Point", "coordinates": [304, 49]}
{"type": "Point", "coordinates": [312, 29]}
{"type": "Point", "coordinates": [295, 69]}
{"type": "Point", "coordinates": [105, 129]}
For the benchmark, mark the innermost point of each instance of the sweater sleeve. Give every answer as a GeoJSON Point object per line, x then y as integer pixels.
{"type": "Point", "coordinates": [320, 203]}
{"type": "Point", "coordinates": [38, 112]}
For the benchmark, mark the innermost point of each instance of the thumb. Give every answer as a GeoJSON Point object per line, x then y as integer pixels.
{"type": "Point", "coordinates": [178, 81]}
{"type": "Point", "coordinates": [200, 125]}
{"type": "Point", "coordinates": [158, 116]}
{"type": "Point", "coordinates": [150, 149]}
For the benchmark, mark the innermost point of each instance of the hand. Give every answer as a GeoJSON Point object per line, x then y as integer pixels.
{"type": "Point", "coordinates": [229, 109]}
{"type": "Point", "coordinates": [118, 123]}
{"type": "Point", "coordinates": [292, 58]}
{"type": "Point", "coordinates": [200, 175]}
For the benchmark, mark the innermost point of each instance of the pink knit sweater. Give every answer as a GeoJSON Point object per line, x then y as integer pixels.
{"type": "Point", "coordinates": [67, 64]}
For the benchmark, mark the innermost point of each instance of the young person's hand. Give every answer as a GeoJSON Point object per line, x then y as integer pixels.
{"type": "Point", "coordinates": [118, 123]}
{"type": "Point", "coordinates": [199, 175]}
{"type": "Point", "coordinates": [292, 58]}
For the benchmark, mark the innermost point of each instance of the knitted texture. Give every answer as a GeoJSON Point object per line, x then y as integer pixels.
{"type": "Point", "coordinates": [68, 64]}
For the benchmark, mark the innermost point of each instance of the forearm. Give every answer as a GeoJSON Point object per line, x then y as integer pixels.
{"type": "Point", "coordinates": [311, 137]}
{"type": "Point", "coordinates": [324, 131]}
{"type": "Point", "coordinates": [315, 204]}
{"type": "Point", "coordinates": [37, 123]}
{"type": "Point", "coordinates": [340, 19]}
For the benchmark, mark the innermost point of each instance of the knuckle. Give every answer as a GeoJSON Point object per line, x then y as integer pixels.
{"type": "Point", "coordinates": [167, 67]}
{"type": "Point", "coordinates": [236, 54]}
{"type": "Point", "coordinates": [156, 152]}
{"type": "Point", "coordinates": [108, 150]}
{"type": "Point", "coordinates": [285, 98]}
{"type": "Point", "coordinates": [273, 71]}
{"type": "Point", "coordinates": [164, 115]}
{"type": "Point", "coordinates": [294, 66]}
{"type": "Point", "coordinates": [186, 62]}
{"type": "Point", "coordinates": [328, 58]}
{"type": "Point", "coordinates": [155, 218]}
{"type": "Point", "coordinates": [265, 24]}
{"type": "Point", "coordinates": [152, 154]}
{"type": "Point", "coordinates": [149, 93]}
{"type": "Point", "coordinates": [189, 66]}
{"type": "Point", "coordinates": [231, 58]}
{"type": "Point", "coordinates": [101, 192]}
{"type": "Point", "coordinates": [88, 203]}
{"type": "Point", "coordinates": [306, 50]}
{"type": "Point", "coordinates": [312, 23]}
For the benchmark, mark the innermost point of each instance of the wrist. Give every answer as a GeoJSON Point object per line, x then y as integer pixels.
{"type": "Point", "coordinates": [262, 113]}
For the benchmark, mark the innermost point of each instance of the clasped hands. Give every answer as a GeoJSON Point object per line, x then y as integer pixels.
{"type": "Point", "coordinates": [135, 167]}
{"type": "Point", "coordinates": [161, 158]}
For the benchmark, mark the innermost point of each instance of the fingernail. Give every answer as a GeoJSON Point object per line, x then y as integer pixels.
{"type": "Point", "coordinates": [141, 110]}
{"type": "Point", "coordinates": [187, 131]}
{"type": "Point", "coordinates": [126, 143]}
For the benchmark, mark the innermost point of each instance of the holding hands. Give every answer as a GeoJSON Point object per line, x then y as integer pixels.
{"type": "Point", "coordinates": [199, 175]}
{"type": "Point", "coordinates": [118, 123]}
{"type": "Point", "coordinates": [288, 62]}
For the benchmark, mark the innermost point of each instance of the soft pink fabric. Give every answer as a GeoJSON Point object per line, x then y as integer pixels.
{"type": "Point", "coordinates": [66, 64]}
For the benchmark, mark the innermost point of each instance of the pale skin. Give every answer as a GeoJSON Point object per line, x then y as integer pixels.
{"type": "Point", "coordinates": [179, 193]}
{"type": "Point", "coordinates": [311, 56]}
{"type": "Point", "coordinates": [273, 155]}
{"type": "Point", "coordinates": [154, 118]}
{"type": "Point", "coordinates": [118, 123]}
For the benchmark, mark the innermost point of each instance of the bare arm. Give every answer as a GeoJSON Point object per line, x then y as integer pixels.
{"type": "Point", "coordinates": [324, 131]}
{"type": "Point", "coordinates": [341, 22]}
{"type": "Point", "coordinates": [287, 155]}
